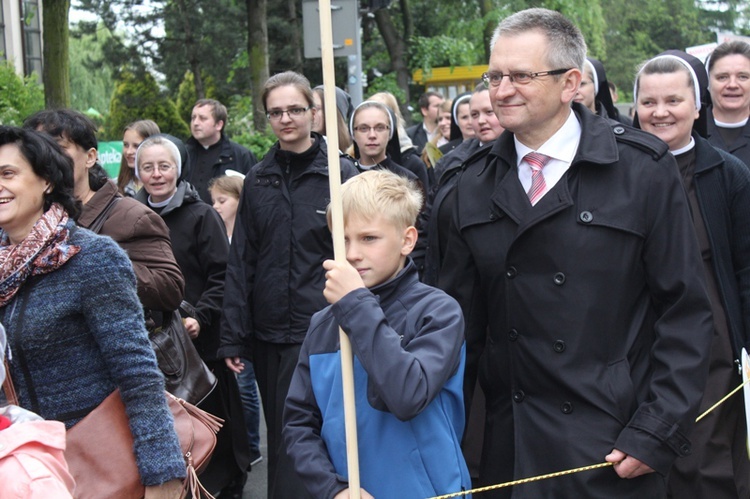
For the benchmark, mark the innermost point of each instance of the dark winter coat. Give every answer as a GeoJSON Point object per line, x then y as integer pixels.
{"type": "Point", "coordinates": [145, 238]}
{"type": "Point", "coordinates": [722, 184]}
{"type": "Point", "coordinates": [231, 157]}
{"type": "Point", "coordinates": [275, 275]}
{"type": "Point", "coordinates": [418, 136]}
{"type": "Point", "coordinates": [453, 158]}
{"type": "Point", "coordinates": [444, 192]}
{"type": "Point", "coordinates": [740, 147]}
{"type": "Point", "coordinates": [200, 247]}
{"type": "Point", "coordinates": [599, 325]}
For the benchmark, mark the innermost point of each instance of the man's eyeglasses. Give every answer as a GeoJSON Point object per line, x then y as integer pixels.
{"type": "Point", "coordinates": [149, 169]}
{"type": "Point", "coordinates": [295, 112]}
{"type": "Point", "coordinates": [495, 78]}
{"type": "Point", "coordinates": [365, 129]}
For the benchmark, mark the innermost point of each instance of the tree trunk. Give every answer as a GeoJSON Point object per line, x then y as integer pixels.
{"type": "Point", "coordinates": [397, 51]}
{"type": "Point", "coordinates": [485, 7]}
{"type": "Point", "coordinates": [191, 47]}
{"type": "Point", "coordinates": [56, 69]}
{"type": "Point", "coordinates": [296, 36]}
{"type": "Point", "coordinates": [257, 49]}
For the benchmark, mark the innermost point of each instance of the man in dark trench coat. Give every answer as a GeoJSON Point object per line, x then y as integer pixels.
{"type": "Point", "coordinates": [581, 265]}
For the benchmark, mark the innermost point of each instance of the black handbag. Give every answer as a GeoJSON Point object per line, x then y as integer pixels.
{"type": "Point", "coordinates": [185, 374]}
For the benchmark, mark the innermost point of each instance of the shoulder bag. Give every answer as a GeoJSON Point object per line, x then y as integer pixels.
{"type": "Point", "coordinates": [186, 376]}
{"type": "Point", "coordinates": [99, 449]}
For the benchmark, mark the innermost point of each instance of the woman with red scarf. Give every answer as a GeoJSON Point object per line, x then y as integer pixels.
{"type": "Point", "coordinates": [68, 301]}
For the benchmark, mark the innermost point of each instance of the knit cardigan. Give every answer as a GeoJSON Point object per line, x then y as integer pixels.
{"type": "Point", "coordinates": [76, 334]}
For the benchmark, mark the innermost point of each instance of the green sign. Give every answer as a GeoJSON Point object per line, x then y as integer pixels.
{"type": "Point", "coordinates": [110, 154]}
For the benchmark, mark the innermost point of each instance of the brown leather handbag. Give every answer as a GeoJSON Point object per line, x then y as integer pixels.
{"type": "Point", "coordinates": [100, 449]}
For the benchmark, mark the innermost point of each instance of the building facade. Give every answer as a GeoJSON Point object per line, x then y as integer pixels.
{"type": "Point", "coordinates": [21, 35]}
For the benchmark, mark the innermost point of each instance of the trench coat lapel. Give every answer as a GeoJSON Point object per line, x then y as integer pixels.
{"type": "Point", "coordinates": [510, 198]}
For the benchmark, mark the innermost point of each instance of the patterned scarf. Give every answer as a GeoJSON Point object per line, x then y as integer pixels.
{"type": "Point", "coordinates": [45, 249]}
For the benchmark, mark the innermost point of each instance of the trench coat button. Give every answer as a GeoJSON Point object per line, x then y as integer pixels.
{"type": "Point", "coordinates": [511, 272]}
{"type": "Point", "coordinates": [566, 407]}
{"type": "Point", "coordinates": [257, 181]}
{"type": "Point", "coordinates": [518, 396]}
{"type": "Point", "coordinates": [684, 449]}
{"type": "Point", "coordinates": [559, 278]}
{"type": "Point", "coordinates": [618, 130]}
{"type": "Point", "coordinates": [492, 216]}
{"type": "Point", "coordinates": [586, 216]}
{"type": "Point", "coordinates": [512, 335]}
{"type": "Point", "coordinates": [276, 183]}
{"type": "Point", "coordinates": [558, 346]}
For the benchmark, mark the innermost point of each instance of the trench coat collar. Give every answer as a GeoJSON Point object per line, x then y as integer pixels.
{"type": "Point", "coordinates": [597, 146]}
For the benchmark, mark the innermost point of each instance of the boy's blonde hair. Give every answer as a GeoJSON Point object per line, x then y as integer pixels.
{"type": "Point", "coordinates": [381, 193]}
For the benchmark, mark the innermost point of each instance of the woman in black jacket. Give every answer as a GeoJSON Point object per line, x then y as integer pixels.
{"type": "Point", "coordinates": [671, 98]}
{"type": "Point", "coordinates": [200, 248]}
{"type": "Point", "coordinates": [275, 275]}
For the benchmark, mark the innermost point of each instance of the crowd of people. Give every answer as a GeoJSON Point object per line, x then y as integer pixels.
{"type": "Point", "coordinates": [533, 283]}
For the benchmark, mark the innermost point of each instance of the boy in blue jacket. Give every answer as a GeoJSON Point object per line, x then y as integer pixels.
{"type": "Point", "coordinates": [408, 346]}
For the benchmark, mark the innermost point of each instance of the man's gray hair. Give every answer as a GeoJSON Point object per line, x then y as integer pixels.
{"type": "Point", "coordinates": [566, 47]}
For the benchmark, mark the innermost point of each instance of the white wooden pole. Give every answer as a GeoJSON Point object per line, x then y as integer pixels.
{"type": "Point", "coordinates": [339, 248]}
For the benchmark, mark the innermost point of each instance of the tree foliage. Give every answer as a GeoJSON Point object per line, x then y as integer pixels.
{"type": "Point", "coordinates": [173, 36]}
{"type": "Point", "coordinates": [640, 29]}
{"type": "Point", "coordinates": [137, 97]}
{"type": "Point", "coordinates": [224, 39]}
{"type": "Point", "coordinates": [186, 95]}
{"type": "Point", "coordinates": [19, 97]}
{"type": "Point", "coordinates": [91, 82]}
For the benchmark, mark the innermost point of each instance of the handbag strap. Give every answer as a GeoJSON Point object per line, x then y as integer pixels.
{"type": "Point", "coordinates": [8, 388]}
{"type": "Point", "coordinates": [98, 223]}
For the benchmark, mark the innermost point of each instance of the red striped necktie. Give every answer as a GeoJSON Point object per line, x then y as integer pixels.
{"type": "Point", "coordinates": [536, 161]}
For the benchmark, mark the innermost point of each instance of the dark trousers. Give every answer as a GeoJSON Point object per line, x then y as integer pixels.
{"type": "Point", "coordinates": [274, 365]}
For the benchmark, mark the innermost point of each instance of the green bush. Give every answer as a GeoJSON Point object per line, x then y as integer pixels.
{"type": "Point", "coordinates": [137, 97]}
{"type": "Point", "coordinates": [258, 142]}
{"type": "Point", "coordinates": [240, 129]}
{"type": "Point", "coordinates": [186, 96]}
{"type": "Point", "coordinates": [19, 97]}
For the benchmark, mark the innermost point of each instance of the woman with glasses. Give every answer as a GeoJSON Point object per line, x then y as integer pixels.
{"type": "Point", "coordinates": [275, 277]}
{"type": "Point", "coordinates": [400, 147]}
{"type": "Point", "coordinates": [372, 126]}
{"type": "Point", "coordinates": [200, 247]}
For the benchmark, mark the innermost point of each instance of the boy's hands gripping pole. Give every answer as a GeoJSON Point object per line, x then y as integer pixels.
{"type": "Point", "coordinates": [341, 279]}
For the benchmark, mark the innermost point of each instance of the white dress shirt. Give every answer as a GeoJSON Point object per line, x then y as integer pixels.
{"type": "Point", "coordinates": [561, 147]}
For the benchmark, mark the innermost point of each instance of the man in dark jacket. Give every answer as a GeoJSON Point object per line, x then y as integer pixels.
{"type": "Point", "coordinates": [581, 262]}
{"type": "Point", "coordinates": [211, 152]}
{"type": "Point", "coordinates": [421, 133]}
